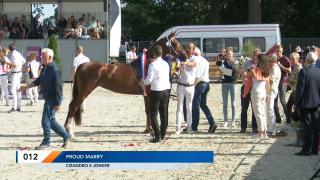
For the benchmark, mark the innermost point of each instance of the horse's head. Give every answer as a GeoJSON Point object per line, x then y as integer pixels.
{"type": "Point", "coordinates": [170, 45]}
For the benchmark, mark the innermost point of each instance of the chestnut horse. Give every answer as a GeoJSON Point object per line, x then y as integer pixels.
{"type": "Point", "coordinates": [120, 78]}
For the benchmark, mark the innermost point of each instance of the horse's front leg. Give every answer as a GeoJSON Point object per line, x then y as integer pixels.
{"type": "Point", "coordinates": [68, 127]}
{"type": "Point", "coordinates": [148, 115]}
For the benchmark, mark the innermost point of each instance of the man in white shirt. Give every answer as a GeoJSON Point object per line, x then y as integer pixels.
{"type": "Point", "coordinates": [158, 77]}
{"type": "Point", "coordinates": [185, 88]}
{"type": "Point", "coordinates": [200, 95]}
{"type": "Point", "coordinates": [17, 60]}
{"type": "Point", "coordinates": [33, 67]}
{"type": "Point", "coordinates": [78, 60]}
{"type": "Point", "coordinates": [132, 55]}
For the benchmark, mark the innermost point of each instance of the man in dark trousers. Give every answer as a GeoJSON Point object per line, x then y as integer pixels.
{"type": "Point", "coordinates": [51, 84]}
{"type": "Point", "coordinates": [307, 101]}
{"type": "Point", "coordinates": [158, 76]}
{"type": "Point", "coordinates": [200, 94]}
{"type": "Point", "coordinates": [285, 66]}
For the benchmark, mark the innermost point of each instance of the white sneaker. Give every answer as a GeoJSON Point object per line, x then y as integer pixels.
{"type": "Point", "coordinates": [233, 124]}
{"type": "Point", "coordinates": [225, 124]}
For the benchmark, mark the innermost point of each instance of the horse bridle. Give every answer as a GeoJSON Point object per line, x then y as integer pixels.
{"type": "Point", "coordinates": [169, 45]}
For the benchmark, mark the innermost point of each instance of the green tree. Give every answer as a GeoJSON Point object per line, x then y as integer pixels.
{"type": "Point", "coordinates": [53, 44]}
{"type": "Point", "coordinates": [247, 49]}
{"type": "Point", "coordinates": [147, 19]}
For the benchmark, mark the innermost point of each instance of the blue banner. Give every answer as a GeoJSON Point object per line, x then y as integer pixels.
{"type": "Point", "coordinates": [135, 157]}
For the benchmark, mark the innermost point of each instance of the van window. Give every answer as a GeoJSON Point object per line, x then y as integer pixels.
{"type": "Point", "coordinates": [185, 41]}
{"type": "Point", "coordinates": [214, 45]}
{"type": "Point", "coordinates": [258, 42]}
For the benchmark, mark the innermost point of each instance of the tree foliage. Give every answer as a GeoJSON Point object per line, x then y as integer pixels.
{"type": "Point", "coordinates": [147, 19]}
{"type": "Point", "coordinates": [248, 48]}
{"type": "Point", "coordinates": [53, 44]}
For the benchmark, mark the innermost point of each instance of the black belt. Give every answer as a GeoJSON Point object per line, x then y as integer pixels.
{"type": "Point", "coordinates": [202, 82]}
{"type": "Point", "coordinates": [15, 72]}
{"type": "Point", "coordinates": [185, 85]}
{"type": "Point", "coordinates": [3, 74]}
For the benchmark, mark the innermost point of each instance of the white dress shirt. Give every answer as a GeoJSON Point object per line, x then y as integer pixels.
{"type": "Point", "coordinates": [187, 74]}
{"type": "Point", "coordinates": [80, 59]}
{"type": "Point", "coordinates": [18, 60]}
{"type": "Point", "coordinates": [131, 56]}
{"type": "Point", "coordinates": [202, 70]}
{"type": "Point", "coordinates": [34, 68]}
{"type": "Point", "coordinates": [158, 75]}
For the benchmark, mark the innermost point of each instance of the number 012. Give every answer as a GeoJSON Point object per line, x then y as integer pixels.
{"type": "Point", "coordinates": [30, 156]}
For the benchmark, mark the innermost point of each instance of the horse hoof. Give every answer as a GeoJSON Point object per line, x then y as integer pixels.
{"type": "Point", "coordinates": [72, 136]}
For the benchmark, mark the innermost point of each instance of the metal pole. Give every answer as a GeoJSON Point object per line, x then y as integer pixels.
{"type": "Point", "coordinates": [1, 8]}
{"type": "Point", "coordinates": [107, 4]}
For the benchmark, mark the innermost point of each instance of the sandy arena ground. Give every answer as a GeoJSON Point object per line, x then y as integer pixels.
{"type": "Point", "coordinates": [114, 122]}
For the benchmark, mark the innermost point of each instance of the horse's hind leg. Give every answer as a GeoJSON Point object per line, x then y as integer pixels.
{"type": "Point", "coordinates": [75, 108]}
{"type": "Point", "coordinates": [72, 109]}
{"type": "Point", "coordinates": [148, 114]}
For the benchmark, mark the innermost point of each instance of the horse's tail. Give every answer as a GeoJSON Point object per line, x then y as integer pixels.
{"type": "Point", "coordinates": [75, 93]}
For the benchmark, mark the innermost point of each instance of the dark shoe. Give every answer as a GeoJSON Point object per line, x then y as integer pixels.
{"type": "Point", "coordinates": [212, 128]}
{"type": "Point", "coordinates": [254, 130]}
{"type": "Point", "coordinates": [42, 146]}
{"type": "Point", "coordinates": [302, 153]}
{"type": "Point", "coordinates": [195, 130]}
{"type": "Point", "coordinates": [12, 110]}
{"type": "Point", "coordinates": [243, 131]}
{"type": "Point", "coordinates": [314, 153]}
{"type": "Point", "coordinates": [155, 140]}
{"type": "Point", "coordinates": [163, 135]}
{"type": "Point", "coordinates": [18, 109]}
{"type": "Point", "coordinates": [66, 142]}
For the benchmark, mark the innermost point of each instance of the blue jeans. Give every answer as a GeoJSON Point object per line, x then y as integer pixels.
{"type": "Point", "coordinates": [49, 122]}
{"type": "Point", "coordinates": [226, 88]}
{"type": "Point", "coordinates": [200, 99]}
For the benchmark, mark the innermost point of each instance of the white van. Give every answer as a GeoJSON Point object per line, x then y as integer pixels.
{"type": "Point", "coordinates": [211, 38]}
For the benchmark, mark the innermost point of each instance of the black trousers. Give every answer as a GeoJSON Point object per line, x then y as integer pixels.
{"type": "Point", "coordinates": [310, 126]}
{"type": "Point", "coordinates": [159, 103]}
{"type": "Point", "coordinates": [289, 106]}
{"type": "Point", "coordinates": [276, 110]}
{"type": "Point", "coordinates": [283, 89]}
{"type": "Point", "coordinates": [244, 111]}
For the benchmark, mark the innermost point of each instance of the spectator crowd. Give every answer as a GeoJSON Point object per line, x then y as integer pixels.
{"type": "Point", "coordinates": [86, 27]}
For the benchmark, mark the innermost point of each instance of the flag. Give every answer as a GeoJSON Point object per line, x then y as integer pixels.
{"type": "Point", "coordinates": [144, 70]}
